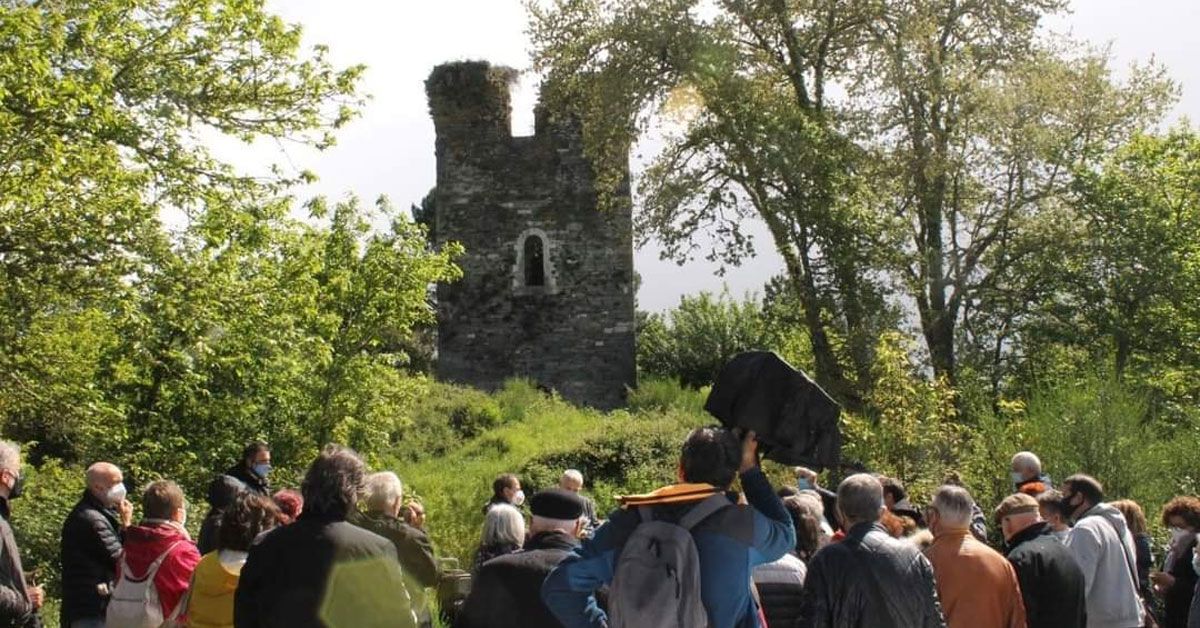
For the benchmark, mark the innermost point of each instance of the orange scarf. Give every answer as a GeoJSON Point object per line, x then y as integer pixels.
{"type": "Point", "coordinates": [673, 494]}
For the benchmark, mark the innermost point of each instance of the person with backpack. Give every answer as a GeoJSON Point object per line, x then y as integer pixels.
{"type": "Point", "coordinates": [157, 561]}
{"type": "Point", "coordinates": [681, 556]}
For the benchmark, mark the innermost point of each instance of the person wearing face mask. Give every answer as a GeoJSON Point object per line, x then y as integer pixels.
{"type": "Point", "coordinates": [91, 546]}
{"type": "Point", "coordinates": [1101, 543]}
{"type": "Point", "coordinates": [19, 602]}
{"type": "Point", "coordinates": [1027, 474]}
{"type": "Point", "coordinates": [254, 469]}
{"type": "Point", "coordinates": [977, 587]}
{"type": "Point", "coordinates": [161, 534]}
{"type": "Point", "coordinates": [1051, 581]}
{"type": "Point", "coordinates": [1050, 507]}
{"type": "Point", "coordinates": [1176, 583]}
{"type": "Point", "coordinates": [506, 489]}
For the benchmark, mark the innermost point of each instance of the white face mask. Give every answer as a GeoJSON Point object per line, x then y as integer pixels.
{"type": "Point", "coordinates": [518, 498]}
{"type": "Point", "coordinates": [1017, 478]}
{"type": "Point", "coordinates": [1196, 559]}
{"type": "Point", "coordinates": [1179, 535]}
{"type": "Point", "coordinates": [116, 495]}
{"type": "Point", "coordinates": [1061, 535]}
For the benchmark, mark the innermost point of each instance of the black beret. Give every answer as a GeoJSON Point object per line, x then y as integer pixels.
{"type": "Point", "coordinates": [556, 503]}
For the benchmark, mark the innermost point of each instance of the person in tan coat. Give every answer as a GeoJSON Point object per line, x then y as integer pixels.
{"type": "Point", "coordinates": [977, 586]}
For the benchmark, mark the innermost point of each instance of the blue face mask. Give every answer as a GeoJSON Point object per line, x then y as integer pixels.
{"type": "Point", "coordinates": [262, 470]}
{"type": "Point", "coordinates": [803, 484]}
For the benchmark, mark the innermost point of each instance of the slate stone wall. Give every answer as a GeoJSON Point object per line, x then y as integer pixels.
{"type": "Point", "coordinates": [575, 332]}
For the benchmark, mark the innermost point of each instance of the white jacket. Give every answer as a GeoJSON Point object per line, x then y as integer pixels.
{"type": "Point", "coordinates": [1103, 547]}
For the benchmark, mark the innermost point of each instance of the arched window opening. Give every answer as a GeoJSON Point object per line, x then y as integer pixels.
{"type": "Point", "coordinates": [535, 263]}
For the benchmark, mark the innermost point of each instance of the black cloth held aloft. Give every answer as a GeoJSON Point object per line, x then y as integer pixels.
{"type": "Point", "coordinates": [795, 420]}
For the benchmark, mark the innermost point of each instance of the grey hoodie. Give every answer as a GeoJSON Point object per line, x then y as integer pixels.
{"type": "Point", "coordinates": [1103, 547]}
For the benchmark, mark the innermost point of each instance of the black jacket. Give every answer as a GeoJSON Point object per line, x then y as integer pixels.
{"type": "Point", "coordinates": [250, 479]}
{"type": "Point", "coordinates": [870, 580]}
{"type": "Point", "coordinates": [780, 590]}
{"type": "Point", "coordinates": [507, 593]}
{"type": "Point", "coordinates": [16, 611]}
{"type": "Point", "coordinates": [1177, 600]}
{"type": "Point", "coordinates": [1052, 583]}
{"type": "Point", "coordinates": [412, 545]}
{"type": "Point", "coordinates": [90, 548]}
{"type": "Point", "coordinates": [318, 572]}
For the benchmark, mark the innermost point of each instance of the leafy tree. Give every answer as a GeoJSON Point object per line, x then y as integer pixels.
{"type": "Point", "coordinates": [1131, 281]}
{"type": "Point", "coordinates": [692, 342]}
{"type": "Point", "coordinates": [104, 108]}
{"type": "Point", "coordinates": [758, 136]}
{"type": "Point", "coordinates": [904, 152]}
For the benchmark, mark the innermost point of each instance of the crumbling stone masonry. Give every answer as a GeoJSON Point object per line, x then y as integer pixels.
{"type": "Point", "coordinates": [548, 289]}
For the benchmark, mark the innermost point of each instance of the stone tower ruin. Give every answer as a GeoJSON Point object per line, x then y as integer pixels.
{"type": "Point", "coordinates": [547, 291]}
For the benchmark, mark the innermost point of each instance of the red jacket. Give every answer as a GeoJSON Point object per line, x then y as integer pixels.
{"type": "Point", "coordinates": [145, 543]}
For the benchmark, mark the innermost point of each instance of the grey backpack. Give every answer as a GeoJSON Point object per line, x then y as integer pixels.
{"type": "Point", "coordinates": [657, 577]}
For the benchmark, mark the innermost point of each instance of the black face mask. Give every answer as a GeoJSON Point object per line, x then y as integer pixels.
{"type": "Point", "coordinates": [18, 487]}
{"type": "Point", "coordinates": [1068, 509]}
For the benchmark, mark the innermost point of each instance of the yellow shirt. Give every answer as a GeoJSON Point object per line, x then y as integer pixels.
{"type": "Point", "coordinates": [213, 586]}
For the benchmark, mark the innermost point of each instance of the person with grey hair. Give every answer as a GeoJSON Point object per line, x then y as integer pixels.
{"type": "Point", "coordinates": [92, 535]}
{"type": "Point", "coordinates": [507, 592]}
{"type": "Point", "coordinates": [977, 586]}
{"type": "Point", "coordinates": [503, 533]}
{"type": "Point", "coordinates": [1027, 474]}
{"type": "Point", "coordinates": [19, 602]}
{"type": "Point", "coordinates": [322, 570]}
{"type": "Point", "coordinates": [384, 499]}
{"type": "Point", "coordinates": [572, 480]}
{"type": "Point", "coordinates": [869, 578]}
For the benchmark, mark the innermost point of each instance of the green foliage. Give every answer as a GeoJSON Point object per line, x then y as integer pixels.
{"type": "Point", "coordinates": [51, 491]}
{"type": "Point", "coordinates": [621, 452]}
{"type": "Point", "coordinates": [692, 342]}
{"type": "Point", "coordinates": [908, 430]}
{"type": "Point", "coordinates": [889, 160]}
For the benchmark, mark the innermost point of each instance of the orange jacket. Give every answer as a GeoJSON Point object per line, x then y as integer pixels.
{"type": "Point", "coordinates": [977, 586]}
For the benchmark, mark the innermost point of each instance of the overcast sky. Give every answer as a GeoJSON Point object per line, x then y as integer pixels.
{"type": "Point", "coordinates": [389, 150]}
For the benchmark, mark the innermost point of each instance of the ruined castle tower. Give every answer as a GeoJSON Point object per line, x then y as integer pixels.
{"type": "Point", "coordinates": [547, 291]}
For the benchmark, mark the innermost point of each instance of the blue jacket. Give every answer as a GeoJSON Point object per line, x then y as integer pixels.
{"type": "Point", "coordinates": [730, 543]}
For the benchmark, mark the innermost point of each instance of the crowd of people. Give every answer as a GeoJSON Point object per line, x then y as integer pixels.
{"type": "Point", "coordinates": [347, 550]}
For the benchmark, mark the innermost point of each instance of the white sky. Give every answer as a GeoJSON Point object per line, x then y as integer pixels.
{"type": "Point", "coordinates": [389, 149]}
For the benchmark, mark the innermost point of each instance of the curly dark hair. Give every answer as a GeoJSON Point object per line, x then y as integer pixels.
{"type": "Point", "coordinates": [250, 515]}
{"type": "Point", "coordinates": [334, 482]}
{"type": "Point", "coordinates": [711, 455]}
{"type": "Point", "coordinates": [1184, 507]}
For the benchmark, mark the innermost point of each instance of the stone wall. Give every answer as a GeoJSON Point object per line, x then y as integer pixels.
{"type": "Point", "coordinates": [575, 332]}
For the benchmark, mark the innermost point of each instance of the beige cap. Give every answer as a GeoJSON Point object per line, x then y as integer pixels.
{"type": "Point", "coordinates": [1015, 505]}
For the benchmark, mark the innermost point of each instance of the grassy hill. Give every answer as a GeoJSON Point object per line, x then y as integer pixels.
{"type": "Point", "coordinates": [462, 439]}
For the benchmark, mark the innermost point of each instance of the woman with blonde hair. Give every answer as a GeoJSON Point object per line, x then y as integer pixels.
{"type": "Point", "coordinates": [1135, 518]}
